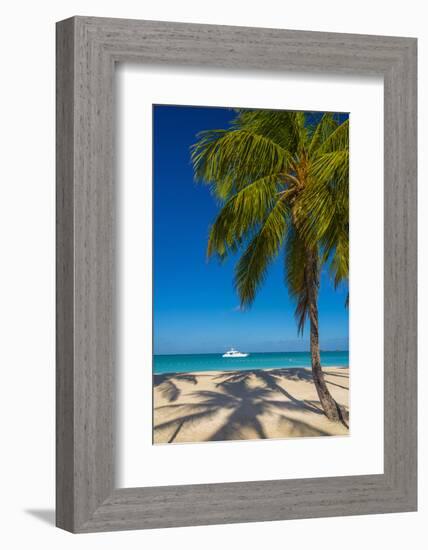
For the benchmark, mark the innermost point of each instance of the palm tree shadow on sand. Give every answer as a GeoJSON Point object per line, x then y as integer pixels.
{"type": "Point", "coordinates": [167, 383]}
{"type": "Point", "coordinates": [243, 406]}
{"type": "Point", "coordinates": [270, 379]}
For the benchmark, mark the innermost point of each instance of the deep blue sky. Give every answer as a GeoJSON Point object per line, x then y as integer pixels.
{"type": "Point", "coordinates": [195, 305]}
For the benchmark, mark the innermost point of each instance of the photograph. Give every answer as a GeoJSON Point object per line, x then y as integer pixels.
{"type": "Point", "coordinates": [250, 274]}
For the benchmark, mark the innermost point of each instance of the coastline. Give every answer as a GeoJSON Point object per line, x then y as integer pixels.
{"type": "Point", "coordinates": [230, 405]}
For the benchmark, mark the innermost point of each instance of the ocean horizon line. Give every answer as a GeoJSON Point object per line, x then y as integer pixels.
{"type": "Point", "coordinates": [255, 352]}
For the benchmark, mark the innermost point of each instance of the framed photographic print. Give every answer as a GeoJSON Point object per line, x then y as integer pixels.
{"type": "Point", "coordinates": [202, 390]}
{"type": "Point", "coordinates": [236, 274]}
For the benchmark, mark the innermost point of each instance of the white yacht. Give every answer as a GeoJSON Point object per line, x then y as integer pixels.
{"type": "Point", "coordinates": [234, 353]}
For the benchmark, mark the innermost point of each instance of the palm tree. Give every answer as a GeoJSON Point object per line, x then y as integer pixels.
{"type": "Point", "coordinates": [283, 185]}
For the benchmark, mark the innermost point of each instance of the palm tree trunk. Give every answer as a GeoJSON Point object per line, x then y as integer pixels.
{"type": "Point", "coordinates": [329, 405]}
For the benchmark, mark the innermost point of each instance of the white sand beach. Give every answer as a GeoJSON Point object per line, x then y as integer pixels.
{"type": "Point", "coordinates": [236, 405]}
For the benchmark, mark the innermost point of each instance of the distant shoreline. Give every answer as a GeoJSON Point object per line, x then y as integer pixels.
{"type": "Point", "coordinates": [250, 352]}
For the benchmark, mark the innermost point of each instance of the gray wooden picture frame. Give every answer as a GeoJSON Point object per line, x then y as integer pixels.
{"type": "Point", "coordinates": [87, 50]}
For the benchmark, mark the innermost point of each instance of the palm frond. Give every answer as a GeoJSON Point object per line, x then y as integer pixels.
{"type": "Point", "coordinates": [286, 128]}
{"type": "Point", "coordinates": [339, 265]}
{"type": "Point", "coordinates": [231, 160]}
{"type": "Point", "coordinates": [241, 214]}
{"type": "Point", "coordinates": [326, 126]}
{"type": "Point", "coordinates": [251, 268]}
{"type": "Point", "coordinates": [338, 140]}
{"type": "Point", "coordinates": [331, 166]}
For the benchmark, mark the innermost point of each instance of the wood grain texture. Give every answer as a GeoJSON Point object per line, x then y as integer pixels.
{"type": "Point", "coordinates": [87, 49]}
{"type": "Point", "coordinates": [64, 277]}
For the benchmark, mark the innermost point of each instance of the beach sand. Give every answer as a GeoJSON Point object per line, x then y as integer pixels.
{"type": "Point", "coordinates": [236, 405]}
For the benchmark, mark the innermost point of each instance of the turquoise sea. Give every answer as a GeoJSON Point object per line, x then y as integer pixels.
{"type": "Point", "coordinates": [215, 361]}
